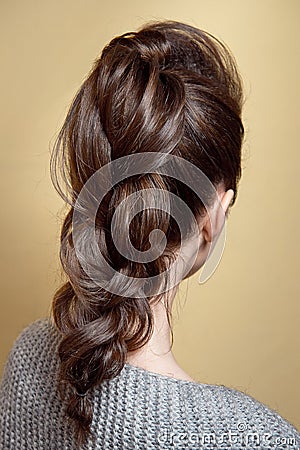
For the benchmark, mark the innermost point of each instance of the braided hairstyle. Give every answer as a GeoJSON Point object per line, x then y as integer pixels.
{"type": "Point", "coordinates": [168, 88]}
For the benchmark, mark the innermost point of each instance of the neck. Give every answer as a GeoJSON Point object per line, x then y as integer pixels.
{"type": "Point", "coordinates": [156, 355]}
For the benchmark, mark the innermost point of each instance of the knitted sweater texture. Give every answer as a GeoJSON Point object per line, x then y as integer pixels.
{"type": "Point", "coordinates": [138, 409]}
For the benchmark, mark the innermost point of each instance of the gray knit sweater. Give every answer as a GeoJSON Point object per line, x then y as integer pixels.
{"type": "Point", "coordinates": [136, 410]}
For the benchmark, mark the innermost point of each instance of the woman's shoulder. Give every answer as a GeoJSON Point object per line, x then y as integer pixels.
{"type": "Point", "coordinates": [213, 413]}
{"type": "Point", "coordinates": [35, 346]}
{"type": "Point", "coordinates": [38, 333]}
{"type": "Point", "coordinates": [42, 327]}
{"type": "Point", "coordinates": [28, 390]}
{"type": "Point", "coordinates": [248, 420]}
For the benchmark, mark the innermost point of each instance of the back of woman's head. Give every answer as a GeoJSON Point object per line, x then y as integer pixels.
{"type": "Point", "coordinates": [168, 88]}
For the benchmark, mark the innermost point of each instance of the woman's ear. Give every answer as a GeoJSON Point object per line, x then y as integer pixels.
{"type": "Point", "coordinates": [215, 217]}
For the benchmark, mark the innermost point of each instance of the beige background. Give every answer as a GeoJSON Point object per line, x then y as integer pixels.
{"type": "Point", "coordinates": [241, 328]}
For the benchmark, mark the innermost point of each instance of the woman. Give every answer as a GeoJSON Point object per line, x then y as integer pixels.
{"type": "Point", "coordinates": [150, 155]}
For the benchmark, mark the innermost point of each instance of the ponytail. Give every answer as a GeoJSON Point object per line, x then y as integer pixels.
{"type": "Point", "coordinates": [168, 88]}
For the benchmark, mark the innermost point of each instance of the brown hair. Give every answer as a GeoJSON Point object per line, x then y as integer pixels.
{"type": "Point", "coordinates": [167, 88]}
